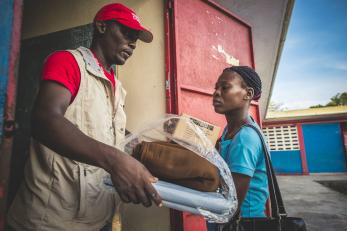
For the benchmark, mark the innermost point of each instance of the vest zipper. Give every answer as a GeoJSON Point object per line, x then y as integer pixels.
{"type": "Point", "coordinates": [82, 197]}
{"type": "Point", "coordinates": [112, 97]}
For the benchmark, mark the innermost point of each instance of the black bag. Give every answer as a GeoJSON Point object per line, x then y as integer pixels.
{"type": "Point", "coordinates": [279, 221]}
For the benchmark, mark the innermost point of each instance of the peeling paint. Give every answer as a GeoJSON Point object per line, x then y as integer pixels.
{"type": "Point", "coordinates": [215, 57]}
{"type": "Point", "coordinates": [229, 59]}
{"type": "Point", "coordinates": [219, 19]}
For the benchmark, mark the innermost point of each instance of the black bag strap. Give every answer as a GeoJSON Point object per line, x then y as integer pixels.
{"type": "Point", "coordinates": [277, 205]}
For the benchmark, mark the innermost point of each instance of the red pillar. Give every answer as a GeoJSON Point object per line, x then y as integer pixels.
{"type": "Point", "coordinates": [344, 133]}
{"type": "Point", "coordinates": [302, 150]}
{"type": "Point", "coordinates": [10, 17]}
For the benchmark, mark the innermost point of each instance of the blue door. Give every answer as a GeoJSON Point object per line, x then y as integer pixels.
{"type": "Point", "coordinates": [324, 148]}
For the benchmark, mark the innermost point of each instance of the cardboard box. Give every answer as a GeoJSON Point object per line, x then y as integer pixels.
{"type": "Point", "coordinates": [183, 130]}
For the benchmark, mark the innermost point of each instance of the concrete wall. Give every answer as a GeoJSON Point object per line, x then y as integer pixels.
{"type": "Point", "coordinates": [266, 18]}
{"type": "Point", "coordinates": [143, 75]}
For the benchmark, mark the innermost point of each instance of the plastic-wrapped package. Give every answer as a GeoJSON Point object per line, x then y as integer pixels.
{"type": "Point", "coordinates": [217, 206]}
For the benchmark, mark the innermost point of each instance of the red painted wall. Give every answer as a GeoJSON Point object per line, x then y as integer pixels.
{"type": "Point", "coordinates": [203, 32]}
{"type": "Point", "coordinates": [200, 35]}
{"type": "Point", "coordinates": [344, 132]}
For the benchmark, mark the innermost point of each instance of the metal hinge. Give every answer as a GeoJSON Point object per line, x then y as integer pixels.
{"type": "Point", "coordinates": [169, 4]}
{"type": "Point", "coordinates": [167, 84]}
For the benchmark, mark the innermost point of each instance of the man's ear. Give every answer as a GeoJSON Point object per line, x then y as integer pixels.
{"type": "Point", "coordinates": [100, 27]}
{"type": "Point", "coordinates": [250, 93]}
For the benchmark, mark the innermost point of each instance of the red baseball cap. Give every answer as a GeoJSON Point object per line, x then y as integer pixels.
{"type": "Point", "coordinates": [126, 17]}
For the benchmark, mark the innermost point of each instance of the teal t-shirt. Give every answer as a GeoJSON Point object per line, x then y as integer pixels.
{"type": "Point", "coordinates": [244, 154]}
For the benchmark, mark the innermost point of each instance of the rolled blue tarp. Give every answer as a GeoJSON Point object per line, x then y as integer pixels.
{"type": "Point", "coordinates": [189, 200]}
{"type": "Point", "coordinates": [212, 205]}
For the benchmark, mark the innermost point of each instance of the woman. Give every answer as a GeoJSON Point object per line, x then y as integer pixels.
{"type": "Point", "coordinates": [241, 146]}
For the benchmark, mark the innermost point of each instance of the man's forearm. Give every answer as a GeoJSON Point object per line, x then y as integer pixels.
{"type": "Point", "coordinates": [60, 135]}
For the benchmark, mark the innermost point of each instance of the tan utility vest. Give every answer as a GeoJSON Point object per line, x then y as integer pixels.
{"type": "Point", "coordinates": [62, 194]}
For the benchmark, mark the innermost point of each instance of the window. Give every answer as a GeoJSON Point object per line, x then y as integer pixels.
{"type": "Point", "coordinates": [282, 138]}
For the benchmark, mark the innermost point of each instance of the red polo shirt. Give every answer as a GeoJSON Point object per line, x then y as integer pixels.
{"type": "Point", "coordinates": [61, 67]}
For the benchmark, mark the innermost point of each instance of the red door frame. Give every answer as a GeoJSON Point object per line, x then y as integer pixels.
{"type": "Point", "coordinates": [170, 58]}
{"type": "Point", "coordinates": [171, 81]}
{"type": "Point", "coordinates": [10, 105]}
{"type": "Point", "coordinates": [343, 126]}
{"type": "Point", "coordinates": [176, 217]}
{"type": "Point", "coordinates": [302, 150]}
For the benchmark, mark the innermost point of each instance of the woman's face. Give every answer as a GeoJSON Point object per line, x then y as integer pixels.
{"type": "Point", "coordinates": [230, 93]}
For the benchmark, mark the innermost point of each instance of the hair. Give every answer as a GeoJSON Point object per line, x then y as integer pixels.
{"type": "Point", "coordinates": [249, 76]}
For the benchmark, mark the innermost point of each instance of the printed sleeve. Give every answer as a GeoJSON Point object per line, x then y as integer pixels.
{"type": "Point", "coordinates": [244, 155]}
{"type": "Point", "coordinates": [61, 67]}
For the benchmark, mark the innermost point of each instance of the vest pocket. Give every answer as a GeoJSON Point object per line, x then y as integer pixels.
{"type": "Point", "coordinates": [65, 191]}
{"type": "Point", "coordinates": [96, 203]}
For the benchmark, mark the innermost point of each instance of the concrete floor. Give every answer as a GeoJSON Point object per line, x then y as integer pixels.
{"type": "Point", "coordinates": [322, 208]}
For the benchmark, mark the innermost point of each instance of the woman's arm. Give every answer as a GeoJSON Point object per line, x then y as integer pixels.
{"type": "Point", "coordinates": [241, 182]}
{"type": "Point", "coordinates": [242, 159]}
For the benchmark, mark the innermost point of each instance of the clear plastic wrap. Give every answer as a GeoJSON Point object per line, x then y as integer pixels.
{"type": "Point", "coordinates": [217, 206]}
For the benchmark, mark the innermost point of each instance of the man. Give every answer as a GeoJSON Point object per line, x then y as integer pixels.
{"type": "Point", "coordinates": [78, 120]}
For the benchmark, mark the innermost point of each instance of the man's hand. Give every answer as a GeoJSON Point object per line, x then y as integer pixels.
{"type": "Point", "coordinates": [133, 181]}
